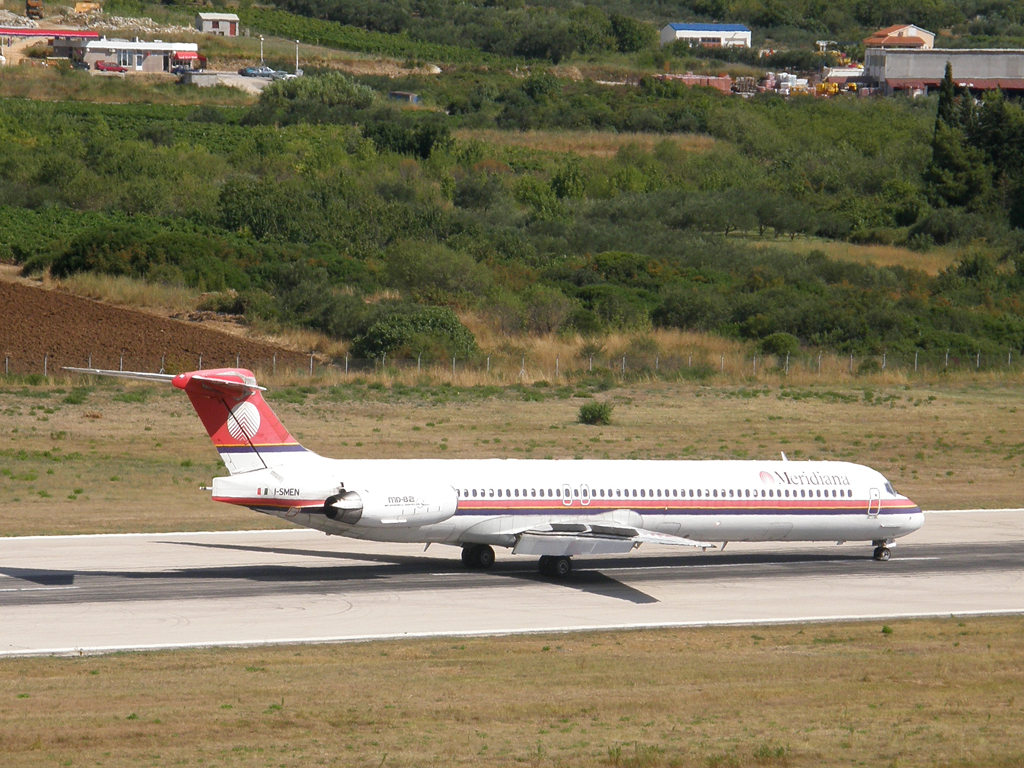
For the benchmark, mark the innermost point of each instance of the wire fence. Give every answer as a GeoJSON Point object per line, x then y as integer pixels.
{"type": "Point", "coordinates": [698, 364]}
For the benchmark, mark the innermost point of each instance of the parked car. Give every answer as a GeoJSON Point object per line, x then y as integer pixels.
{"type": "Point", "coordinates": [104, 66]}
{"type": "Point", "coordinates": [80, 65]}
{"type": "Point", "coordinates": [256, 72]}
{"type": "Point", "coordinates": [181, 69]}
{"type": "Point", "coordinates": [279, 75]}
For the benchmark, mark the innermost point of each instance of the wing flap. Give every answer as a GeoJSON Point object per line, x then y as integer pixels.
{"type": "Point", "coordinates": [605, 538]}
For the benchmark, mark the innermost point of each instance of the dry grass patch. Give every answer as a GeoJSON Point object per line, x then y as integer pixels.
{"type": "Point", "coordinates": [585, 143]}
{"type": "Point", "coordinates": [932, 261]}
{"type": "Point", "coordinates": [63, 84]}
{"type": "Point", "coordinates": [927, 692]}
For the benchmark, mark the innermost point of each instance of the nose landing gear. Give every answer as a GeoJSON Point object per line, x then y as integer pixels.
{"type": "Point", "coordinates": [882, 552]}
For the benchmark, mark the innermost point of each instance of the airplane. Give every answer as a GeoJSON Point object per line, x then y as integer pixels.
{"type": "Point", "coordinates": [550, 509]}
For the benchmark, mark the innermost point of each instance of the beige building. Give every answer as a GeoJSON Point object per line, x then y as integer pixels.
{"type": "Point", "coordinates": [134, 55]}
{"type": "Point", "coordinates": [902, 36]}
{"type": "Point", "coordinates": [223, 24]}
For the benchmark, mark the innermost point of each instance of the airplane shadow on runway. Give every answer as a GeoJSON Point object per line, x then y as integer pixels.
{"type": "Point", "coordinates": [390, 572]}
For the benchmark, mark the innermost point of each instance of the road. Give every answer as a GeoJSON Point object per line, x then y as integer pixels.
{"type": "Point", "coordinates": [84, 594]}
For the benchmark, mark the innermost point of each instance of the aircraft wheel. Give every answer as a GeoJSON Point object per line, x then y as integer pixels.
{"type": "Point", "coordinates": [544, 566]}
{"type": "Point", "coordinates": [882, 554]}
{"type": "Point", "coordinates": [467, 556]}
{"type": "Point", "coordinates": [561, 567]}
{"type": "Point", "coordinates": [483, 557]}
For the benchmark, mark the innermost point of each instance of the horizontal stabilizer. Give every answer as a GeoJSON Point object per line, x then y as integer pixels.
{"type": "Point", "coordinates": [604, 538]}
{"type": "Point", "coordinates": [137, 375]}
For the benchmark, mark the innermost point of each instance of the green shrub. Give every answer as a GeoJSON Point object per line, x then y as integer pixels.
{"type": "Point", "coordinates": [596, 413]}
{"type": "Point", "coordinates": [780, 344]}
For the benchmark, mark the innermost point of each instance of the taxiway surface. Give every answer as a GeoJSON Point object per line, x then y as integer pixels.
{"type": "Point", "coordinates": [71, 594]}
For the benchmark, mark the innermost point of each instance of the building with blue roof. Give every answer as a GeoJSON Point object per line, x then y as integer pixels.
{"type": "Point", "coordinates": [707, 35]}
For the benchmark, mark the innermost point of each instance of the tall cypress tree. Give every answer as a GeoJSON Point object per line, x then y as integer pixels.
{"type": "Point", "coordinates": [947, 98]}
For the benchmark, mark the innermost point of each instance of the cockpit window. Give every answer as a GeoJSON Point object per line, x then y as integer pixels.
{"type": "Point", "coordinates": [889, 488]}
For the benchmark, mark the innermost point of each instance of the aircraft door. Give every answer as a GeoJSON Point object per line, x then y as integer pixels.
{"type": "Point", "coordinates": [874, 502]}
{"type": "Point", "coordinates": [585, 495]}
{"type": "Point", "coordinates": [566, 496]}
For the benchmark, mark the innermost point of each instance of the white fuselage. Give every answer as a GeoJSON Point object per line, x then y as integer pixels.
{"type": "Point", "coordinates": [493, 501]}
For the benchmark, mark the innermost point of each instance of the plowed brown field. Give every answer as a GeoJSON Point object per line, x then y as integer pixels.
{"type": "Point", "coordinates": [74, 331]}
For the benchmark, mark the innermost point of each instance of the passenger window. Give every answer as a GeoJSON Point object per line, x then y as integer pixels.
{"type": "Point", "coordinates": [787, 493]}
{"type": "Point", "coordinates": [550, 494]}
{"type": "Point", "coordinates": [517, 493]}
{"type": "Point", "coordinates": [650, 493]}
{"type": "Point", "coordinates": [730, 493]}
{"type": "Point", "coordinates": [499, 493]}
{"type": "Point", "coordinates": [698, 493]}
{"type": "Point", "coordinates": [641, 491]}
{"type": "Point", "coordinates": [634, 493]}
{"type": "Point", "coordinates": [474, 493]}
{"type": "Point", "coordinates": [508, 493]}
{"type": "Point", "coordinates": [716, 493]}
{"type": "Point", "coordinates": [674, 493]}
{"type": "Point", "coordinates": [576, 492]}
{"type": "Point", "coordinates": [490, 492]}
{"type": "Point", "coordinates": [558, 492]}
{"type": "Point", "coordinates": [584, 493]}
{"type": "Point", "coordinates": [748, 493]}
{"type": "Point", "coordinates": [763, 494]}
{"type": "Point", "coordinates": [533, 492]}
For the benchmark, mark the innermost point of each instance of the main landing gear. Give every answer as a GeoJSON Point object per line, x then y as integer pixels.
{"type": "Point", "coordinates": [559, 567]}
{"type": "Point", "coordinates": [477, 556]}
{"type": "Point", "coordinates": [882, 552]}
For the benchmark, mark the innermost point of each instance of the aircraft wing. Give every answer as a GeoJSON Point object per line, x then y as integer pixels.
{"type": "Point", "coordinates": [597, 538]}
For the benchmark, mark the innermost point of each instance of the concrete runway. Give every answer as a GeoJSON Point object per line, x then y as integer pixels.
{"type": "Point", "coordinates": [89, 594]}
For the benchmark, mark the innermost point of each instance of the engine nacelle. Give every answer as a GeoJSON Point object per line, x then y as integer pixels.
{"type": "Point", "coordinates": [392, 508]}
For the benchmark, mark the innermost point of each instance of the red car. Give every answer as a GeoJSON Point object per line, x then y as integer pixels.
{"type": "Point", "coordinates": [104, 66]}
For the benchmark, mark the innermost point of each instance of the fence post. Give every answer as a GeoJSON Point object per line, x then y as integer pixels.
{"type": "Point", "coordinates": [163, 361]}
{"type": "Point", "coordinates": [383, 360]}
{"type": "Point", "coordinates": [851, 362]}
{"type": "Point", "coordinates": [883, 360]}
{"type": "Point", "coordinates": [488, 365]}
{"type": "Point", "coordinates": [453, 365]}
{"type": "Point", "coordinates": [237, 361]}
{"type": "Point", "coordinates": [916, 353]}
{"type": "Point", "coordinates": [556, 365]}
{"type": "Point", "coordinates": [591, 363]}
{"type": "Point", "coordinates": [311, 363]}
{"type": "Point", "coordinates": [7, 365]}
{"type": "Point", "coordinates": [657, 359]}
{"type": "Point", "coordinates": [787, 363]}
{"type": "Point", "coordinates": [89, 364]}
{"type": "Point", "coordinates": [755, 365]}
{"type": "Point", "coordinates": [723, 363]}
{"type": "Point", "coordinates": [275, 363]}
{"type": "Point", "coordinates": [45, 361]}
{"type": "Point", "coordinates": [689, 361]}
{"type": "Point", "coordinates": [947, 357]}
{"type": "Point", "coordinates": [419, 360]}
{"type": "Point", "coordinates": [819, 363]}
{"type": "Point", "coordinates": [623, 363]}
{"type": "Point", "coordinates": [120, 365]}
{"type": "Point", "coordinates": [346, 362]}
{"type": "Point", "coordinates": [978, 364]}
{"type": "Point", "coordinates": [522, 367]}
{"type": "Point", "coordinates": [200, 362]}
{"type": "Point", "coordinates": [1008, 357]}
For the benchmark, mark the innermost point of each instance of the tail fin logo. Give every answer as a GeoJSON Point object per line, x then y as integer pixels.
{"type": "Point", "coordinates": [244, 422]}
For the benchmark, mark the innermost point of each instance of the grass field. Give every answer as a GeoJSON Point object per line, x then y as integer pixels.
{"type": "Point", "coordinates": [927, 692]}
{"type": "Point", "coordinates": [585, 143]}
{"type": "Point", "coordinates": [85, 458]}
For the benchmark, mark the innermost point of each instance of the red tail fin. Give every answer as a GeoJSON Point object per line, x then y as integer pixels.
{"type": "Point", "coordinates": [242, 426]}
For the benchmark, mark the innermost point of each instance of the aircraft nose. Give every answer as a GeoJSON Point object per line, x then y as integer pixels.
{"type": "Point", "coordinates": [915, 521]}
